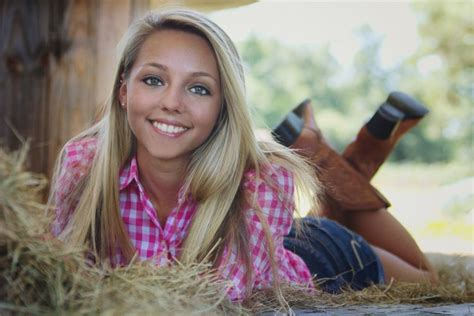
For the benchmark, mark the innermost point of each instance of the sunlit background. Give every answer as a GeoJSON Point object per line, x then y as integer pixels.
{"type": "Point", "coordinates": [347, 56]}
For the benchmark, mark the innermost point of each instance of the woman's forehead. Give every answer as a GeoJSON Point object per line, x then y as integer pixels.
{"type": "Point", "coordinates": [178, 49]}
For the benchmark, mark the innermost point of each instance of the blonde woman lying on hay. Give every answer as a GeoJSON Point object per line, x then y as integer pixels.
{"type": "Point", "coordinates": [173, 172]}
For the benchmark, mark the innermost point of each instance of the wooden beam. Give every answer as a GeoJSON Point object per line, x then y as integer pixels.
{"type": "Point", "coordinates": [201, 5]}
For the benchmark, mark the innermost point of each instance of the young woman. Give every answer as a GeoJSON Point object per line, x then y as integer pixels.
{"type": "Point", "coordinates": [173, 172]}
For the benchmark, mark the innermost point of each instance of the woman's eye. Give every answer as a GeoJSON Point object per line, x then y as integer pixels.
{"type": "Point", "coordinates": [200, 90]}
{"type": "Point", "coordinates": [153, 81]}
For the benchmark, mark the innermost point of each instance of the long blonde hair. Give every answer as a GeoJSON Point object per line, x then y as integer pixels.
{"type": "Point", "coordinates": [214, 173]}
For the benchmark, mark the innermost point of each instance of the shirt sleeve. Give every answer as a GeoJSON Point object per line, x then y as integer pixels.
{"type": "Point", "coordinates": [273, 191]}
{"type": "Point", "coordinates": [76, 162]}
{"type": "Point", "coordinates": [275, 197]}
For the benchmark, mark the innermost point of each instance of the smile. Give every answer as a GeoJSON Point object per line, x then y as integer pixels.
{"type": "Point", "coordinates": [168, 128]}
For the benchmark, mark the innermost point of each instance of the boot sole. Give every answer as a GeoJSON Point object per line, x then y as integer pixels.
{"type": "Point", "coordinates": [406, 104]}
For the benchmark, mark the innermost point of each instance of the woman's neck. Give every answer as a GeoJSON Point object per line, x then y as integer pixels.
{"type": "Point", "coordinates": [162, 181]}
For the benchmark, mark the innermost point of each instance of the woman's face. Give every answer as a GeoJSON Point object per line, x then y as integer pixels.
{"type": "Point", "coordinates": [172, 95]}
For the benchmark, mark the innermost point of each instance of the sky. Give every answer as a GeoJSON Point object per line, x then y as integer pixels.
{"type": "Point", "coordinates": [332, 23]}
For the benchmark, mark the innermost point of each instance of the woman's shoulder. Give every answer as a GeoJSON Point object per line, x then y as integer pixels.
{"type": "Point", "coordinates": [80, 150]}
{"type": "Point", "coordinates": [77, 158]}
{"type": "Point", "coordinates": [79, 153]}
{"type": "Point", "coordinates": [75, 163]}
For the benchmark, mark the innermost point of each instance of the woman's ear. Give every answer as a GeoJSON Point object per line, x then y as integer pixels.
{"type": "Point", "coordinates": [122, 93]}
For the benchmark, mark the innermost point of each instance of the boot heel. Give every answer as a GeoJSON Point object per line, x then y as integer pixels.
{"type": "Point", "coordinates": [384, 122]}
{"type": "Point", "coordinates": [288, 131]}
{"type": "Point", "coordinates": [374, 143]}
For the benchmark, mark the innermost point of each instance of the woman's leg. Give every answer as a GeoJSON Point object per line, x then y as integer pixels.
{"type": "Point", "coordinates": [349, 199]}
{"type": "Point", "coordinates": [377, 138]}
{"type": "Point", "coordinates": [398, 269]}
{"type": "Point", "coordinates": [399, 253]}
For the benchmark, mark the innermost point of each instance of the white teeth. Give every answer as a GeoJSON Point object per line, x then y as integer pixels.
{"type": "Point", "coordinates": [170, 129]}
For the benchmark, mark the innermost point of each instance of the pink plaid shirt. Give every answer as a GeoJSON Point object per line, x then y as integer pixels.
{"type": "Point", "coordinates": [162, 244]}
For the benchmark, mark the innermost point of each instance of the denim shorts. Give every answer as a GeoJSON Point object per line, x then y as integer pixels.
{"type": "Point", "coordinates": [337, 257]}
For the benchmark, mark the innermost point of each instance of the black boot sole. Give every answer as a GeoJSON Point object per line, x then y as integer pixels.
{"type": "Point", "coordinates": [409, 106]}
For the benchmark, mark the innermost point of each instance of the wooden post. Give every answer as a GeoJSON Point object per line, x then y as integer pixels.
{"type": "Point", "coordinates": [73, 90]}
{"type": "Point", "coordinates": [57, 61]}
{"type": "Point", "coordinates": [113, 20]}
{"type": "Point", "coordinates": [31, 42]}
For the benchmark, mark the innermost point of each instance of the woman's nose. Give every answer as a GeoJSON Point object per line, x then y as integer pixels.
{"type": "Point", "coordinates": [172, 99]}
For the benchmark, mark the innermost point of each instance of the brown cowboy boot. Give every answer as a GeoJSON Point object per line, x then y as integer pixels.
{"type": "Point", "coordinates": [345, 188]}
{"type": "Point", "coordinates": [380, 134]}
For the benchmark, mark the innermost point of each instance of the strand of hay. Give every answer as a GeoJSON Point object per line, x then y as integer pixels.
{"type": "Point", "coordinates": [38, 275]}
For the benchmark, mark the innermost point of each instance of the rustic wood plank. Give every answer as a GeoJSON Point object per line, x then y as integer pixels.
{"type": "Point", "coordinates": [27, 49]}
{"type": "Point", "coordinates": [113, 21]}
{"type": "Point", "coordinates": [138, 8]}
{"type": "Point", "coordinates": [72, 91]}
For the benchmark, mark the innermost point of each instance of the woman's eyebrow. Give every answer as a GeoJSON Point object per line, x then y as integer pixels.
{"type": "Point", "coordinates": [192, 74]}
{"type": "Point", "coordinates": [156, 65]}
{"type": "Point", "coordinates": [203, 74]}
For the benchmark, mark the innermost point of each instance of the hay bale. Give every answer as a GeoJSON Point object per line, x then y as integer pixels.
{"type": "Point", "coordinates": [38, 274]}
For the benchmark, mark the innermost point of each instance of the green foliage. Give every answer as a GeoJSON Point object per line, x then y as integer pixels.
{"type": "Point", "coordinates": [440, 75]}
{"type": "Point", "coordinates": [448, 31]}
{"type": "Point", "coordinates": [279, 77]}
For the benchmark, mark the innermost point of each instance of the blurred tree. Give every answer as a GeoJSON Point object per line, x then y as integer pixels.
{"type": "Point", "coordinates": [447, 29]}
{"type": "Point", "coordinates": [279, 77]}
{"type": "Point", "coordinates": [370, 78]}
{"type": "Point", "coordinates": [440, 75]}
{"type": "Point", "coordinates": [445, 65]}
